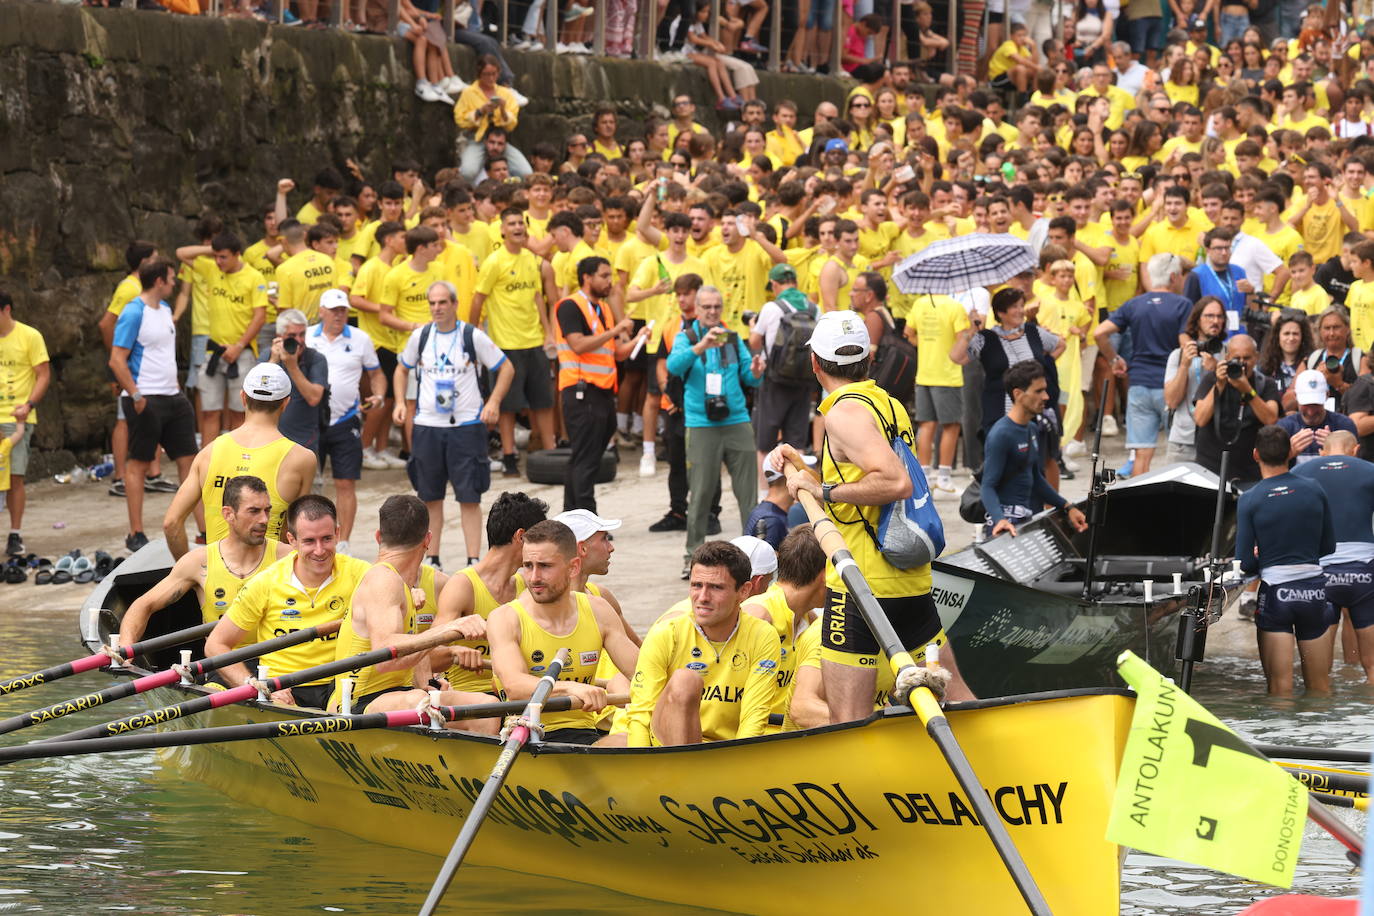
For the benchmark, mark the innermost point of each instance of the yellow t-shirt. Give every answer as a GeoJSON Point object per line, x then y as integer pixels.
{"type": "Point", "coordinates": [742, 278]}
{"type": "Point", "coordinates": [510, 282]}
{"type": "Point", "coordinates": [1121, 101]}
{"type": "Point", "coordinates": [274, 603]}
{"type": "Point", "coordinates": [1177, 93]}
{"type": "Point", "coordinates": [301, 281]}
{"type": "Point", "coordinates": [1124, 257]}
{"type": "Point", "coordinates": [634, 252]}
{"type": "Point", "coordinates": [1002, 58]}
{"type": "Point", "coordinates": [477, 240]}
{"type": "Point", "coordinates": [195, 273]}
{"type": "Point", "coordinates": [1164, 237]}
{"type": "Point", "coordinates": [783, 146]}
{"type": "Point", "coordinates": [1322, 229]}
{"type": "Point", "coordinates": [937, 320]}
{"type": "Point", "coordinates": [1312, 300]}
{"type": "Point", "coordinates": [739, 677]}
{"type": "Point", "coordinates": [233, 299]}
{"type": "Point", "coordinates": [1177, 146]}
{"type": "Point", "coordinates": [847, 287]}
{"type": "Point", "coordinates": [1360, 301]}
{"type": "Point", "coordinates": [124, 293]}
{"type": "Point", "coordinates": [407, 291]}
{"type": "Point", "coordinates": [22, 350]}
{"type": "Point", "coordinates": [308, 214]}
{"type": "Point", "coordinates": [371, 285]}
{"type": "Point", "coordinates": [457, 259]}
{"type": "Point", "coordinates": [256, 256]}
{"type": "Point", "coordinates": [663, 308]}
{"type": "Point", "coordinates": [874, 243]}
{"type": "Point", "coordinates": [698, 249]}
{"type": "Point", "coordinates": [565, 266]}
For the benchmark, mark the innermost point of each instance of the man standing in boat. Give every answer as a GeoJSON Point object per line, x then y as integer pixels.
{"type": "Point", "coordinates": [709, 674]}
{"type": "Point", "coordinates": [860, 473]}
{"type": "Point", "coordinates": [549, 615]}
{"type": "Point", "coordinates": [382, 613]}
{"type": "Point", "coordinates": [309, 587]}
{"type": "Point", "coordinates": [219, 570]}
{"type": "Point", "coordinates": [1283, 529]}
{"type": "Point", "coordinates": [257, 448]}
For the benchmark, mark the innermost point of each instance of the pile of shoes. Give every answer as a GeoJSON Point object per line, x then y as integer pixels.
{"type": "Point", "coordinates": [74, 567]}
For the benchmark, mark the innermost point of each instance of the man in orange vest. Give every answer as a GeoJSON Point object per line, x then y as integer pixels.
{"type": "Point", "coordinates": [588, 347]}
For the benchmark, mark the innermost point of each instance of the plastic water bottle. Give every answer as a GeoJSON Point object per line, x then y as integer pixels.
{"type": "Point", "coordinates": [102, 470]}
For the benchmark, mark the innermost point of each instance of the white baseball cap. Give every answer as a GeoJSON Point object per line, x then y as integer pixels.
{"type": "Point", "coordinates": [334, 299]}
{"type": "Point", "coordinates": [585, 523]}
{"type": "Point", "coordinates": [763, 559]}
{"type": "Point", "coordinates": [267, 382]}
{"type": "Point", "coordinates": [1310, 387]}
{"type": "Point", "coordinates": [840, 330]}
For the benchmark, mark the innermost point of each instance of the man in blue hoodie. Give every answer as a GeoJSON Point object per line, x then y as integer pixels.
{"type": "Point", "coordinates": [715, 367]}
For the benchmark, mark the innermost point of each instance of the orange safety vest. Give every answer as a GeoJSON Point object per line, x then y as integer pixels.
{"type": "Point", "coordinates": [595, 367]}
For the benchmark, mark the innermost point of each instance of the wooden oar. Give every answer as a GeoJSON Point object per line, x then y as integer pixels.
{"type": "Point", "coordinates": [1295, 752]}
{"type": "Point", "coordinates": [101, 659]}
{"type": "Point", "coordinates": [318, 725]}
{"type": "Point", "coordinates": [921, 699]}
{"type": "Point", "coordinates": [247, 691]}
{"type": "Point", "coordinates": [163, 678]}
{"type": "Point", "coordinates": [518, 736]}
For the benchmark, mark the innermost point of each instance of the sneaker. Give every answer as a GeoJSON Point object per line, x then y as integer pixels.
{"type": "Point", "coordinates": [342, 547]}
{"type": "Point", "coordinates": [648, 465]}
{"type": "Point", "coordinates": [1075, 449]}
{"type": "Point", "coordinates": [159, 484]}
{"type": "Point", "coordinates": [577, 47]}
{"type": "Point", "coordinates": [133, 542]}
{"type": "Point", "coordinates": [944, 486]}
{"type": "Point", "coordinates": [373, 461]}
{"type": "Point", "coordinates": [452, 85]}
{"type": "Point", "coordinates": [428, 92]}
{"type": "Point", "coordinates": [520, 99]}
{"type": "Point", "coordinates": [117, 488]}
{"type": "Point", "coordinates": [1109, 427]}
{"type": "Point", "coordinates": [497, 466]}
{"type": "Point", "coordinates": [510, 465]}
{"type": "Point", "coordinates": [522, 437]}
{"type": "Point", "coordinates": [1069, 462]}
{"type": "Point", "coordinates": [1126, 470]}
{"type": "Point", "coordinates": [433, 560]}
{"type": "Point", "coordinates": [576, 11]}
{"type": "Point", "coordinates": [670, 522]}
{"type": "Point", "coordinates": [713, 525]}
{"type": "Point", "coordinates": [395, 462]}
{"type": "Point", "coordinates": [14, 546]}
{"type": "Point", "coordinates": [751, 46]}
{"type": "Point", "coordinates": [1065, 472]}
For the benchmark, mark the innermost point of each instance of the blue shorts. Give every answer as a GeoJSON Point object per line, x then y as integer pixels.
{"type": "Point", "coordinates": [449, 455]}
{"type": "Point", "coordinates": [198, 344]}
{"type": "Point", "coordinates": [821, 16]}
{"type": "Point", "coordinates": [342, 444]}
{"type": "Point", "coordinates": [1145, 415]}
{"type": "Point", "coordinates": [1351, 585]}
{"type": "Point", "coordinates": [1297, 607]}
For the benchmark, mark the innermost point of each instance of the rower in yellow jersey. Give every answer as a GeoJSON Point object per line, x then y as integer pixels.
{"type": "Point", "coordinates": [807, 706]}
{"type": "Point", "coordinates": [789, 602]}
{"type": "Point", "coordinates": [256, 448]}
{"type": "Point", "coordinates": [382, 613]}
{"type": "Point", "coordinates": [526, 633]}
{"type": "Point", "coordinates": [710, 675]}
{"type": "Point", "coordinates": [309, 587]}
{"type": "Point", "coordinates": [479, 589]}
{"type": "Point", "coordinates": [215, 572]}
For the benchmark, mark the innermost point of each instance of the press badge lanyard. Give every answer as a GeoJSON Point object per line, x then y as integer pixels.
{"type": "Point", "coordinates": [434, 347]}
{"type": "Point", "coordinates": [1228, 286]}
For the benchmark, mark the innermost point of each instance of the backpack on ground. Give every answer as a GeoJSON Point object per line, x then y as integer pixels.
{"type": "Point", "coordinates": [469, 350]}
{"type": "Point", "coordinates": [789, 360]}
{"type": "Point", "coordinates": [909, 533]}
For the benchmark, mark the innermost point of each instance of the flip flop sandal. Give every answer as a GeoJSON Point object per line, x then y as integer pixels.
{"type": "Point", "coordinates": [64, 564]}
{"type": "Point", "coordinates": [42, 577]}
{"type": "Point", "coordinates": [61, 577]}
{"type": "Point", "coordinates": [31, 561]}
{"type": "Point", "coordinates": [103, 565]}
{"type": "Point", "coordinates": [85, 577]}
{"type": "Point", "coordinates": [43, 563]}
{"type": "Point", "coordinates": [14, 574]}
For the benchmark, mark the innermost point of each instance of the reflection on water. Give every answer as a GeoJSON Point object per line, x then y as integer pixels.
{"type": "Point", "coordinates": [121, 833]}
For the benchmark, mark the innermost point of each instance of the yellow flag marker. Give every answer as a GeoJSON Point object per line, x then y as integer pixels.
{"type": "Point", "coordinates": [1191, 789]}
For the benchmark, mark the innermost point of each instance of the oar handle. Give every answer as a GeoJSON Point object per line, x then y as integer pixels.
{"type": "Point", "coordinates": [97, 660]}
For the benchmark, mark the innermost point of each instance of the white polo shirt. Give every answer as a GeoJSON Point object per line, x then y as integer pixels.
{"type": "Point", "coordinates": [448, 394]}
{"type": "Point", "coordinates": [348, 356]}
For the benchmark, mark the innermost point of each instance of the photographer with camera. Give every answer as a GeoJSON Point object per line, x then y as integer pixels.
{"type": "Point", "coordinates": [306, 414]}
{"type": "Point", "coordinates": [1202, 341]}
{"type": "Point", "coordinates": [1231, 405]}
{"type": "Point", "coordinates": [715, 366]}
{"type": "Point", "coordinates": [1309, 427]}
{"type": "Point", "coordinates": [1336, 357]}
{"type": "Point", "coordinates": [1217, 276]}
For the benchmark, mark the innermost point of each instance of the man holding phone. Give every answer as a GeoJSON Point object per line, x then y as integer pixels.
{"type": "Point", "coordinates": [739, 266]}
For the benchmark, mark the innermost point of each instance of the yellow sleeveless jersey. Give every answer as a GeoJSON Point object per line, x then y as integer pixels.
{"type": "Point", "coordinates": [809, 656]}
{"type": "Point", "coordinates": [229, 459]}
{"type": "Point", "coordinates": [739, 677]}
{"type": "Point", "coordinates": [775, 602]}
{"type": "Point", "coordinates": [483, 603]}
{"type": "Point", "coordinates": [886, 580]}
{"type": "Point", "coordinates": [222, 586]}
{"type": "Point", "coordinates": [274, 603]}
{"type": "Point", "coordinates": [367, 680]}
{"type": "Point", "coordinates": [851, 272]}
{"type": "Point", "coordinates": [539, 646]}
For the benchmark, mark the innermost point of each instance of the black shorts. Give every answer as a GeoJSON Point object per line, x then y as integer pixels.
{"type": "Point", "coordinates": [651, 372]}
{"type": "Point", "coordinates": [640, 363]}
{"type": "Point", "coordinates": [342, 444]}
{"type": "Point", "coordinates": [532, 387]}
{"type": "Point", "coordinates": [167, 420]}
{"type": "Point", "coordinates": [315, 695]}
{"type": "Point", "coordinates": [449, 455]}
{"type": "Point", "coordinates": [1297, 607]}
{"type": "Point", "coordinates": [783, 410]}
{"type": "Point", "coordinates": [1048, 433]}
{"type": "Point", "coordinates": [360, 703]}
{"type": "Point", "coordinates": [914, 617]}
{"type": "Point", "coordinates": [386, 359]}
{"type": "Point", "coordinates": [574, 735]}
{"type": "Point", "coordinates": [994, 18]}
{"type": "Point", "coordinates": [1351, 585]}
{"type": "Point", "coordinates": [1001, 81]}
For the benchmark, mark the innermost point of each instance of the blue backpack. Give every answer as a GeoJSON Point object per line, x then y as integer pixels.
{"type": "Point", "coordinates": [910, 533]}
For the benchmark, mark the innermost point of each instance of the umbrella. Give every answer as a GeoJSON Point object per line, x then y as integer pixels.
{"type": "Point", "coordinates": [956, 265]}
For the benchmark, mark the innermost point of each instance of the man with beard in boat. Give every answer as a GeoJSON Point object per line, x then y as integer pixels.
{"type": "Point", "coordinates": [218, 570]}
{"type": "Point", "coordinates": [308, 587]}
{"type": "Point", "coordinates": [481, 588]}
{"type": "Point", "coordinates": [1349, 486]}
{"type": "Point", "coordinates": [710, 674]}
{"type": "Point", "coordinates": [1283, 529]}
{"type": "Point", "coordinates": [382, 614]}
{"type": "Point", "coordinates": [787, 605]}
{"type": "Point", "coordinates": [258, 448]}
{"type": "Point", "coordinates": [549, 615]}
{"type": "Point", "coordinates": [861, 473]}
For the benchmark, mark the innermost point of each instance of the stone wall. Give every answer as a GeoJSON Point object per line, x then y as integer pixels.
{"type": "Point", "coordinates": [118, 124]}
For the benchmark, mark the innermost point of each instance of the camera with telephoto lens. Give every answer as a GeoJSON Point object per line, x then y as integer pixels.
{"type": "Point", "coordinates": [291, 345]}
{"type": "Point", "coordinates": [1210, 345]}
{"type": "Point", "coordinates": [748, 317]}
{"type": "Point", "coordinates": [1235, 368]}
{"type": "Point", "coordinates": [1333, 364]}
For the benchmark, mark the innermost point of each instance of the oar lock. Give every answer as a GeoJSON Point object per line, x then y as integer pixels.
{"type": "Point", "coordinates": [183, 668]}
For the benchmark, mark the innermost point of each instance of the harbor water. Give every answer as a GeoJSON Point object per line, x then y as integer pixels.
{"type": "Point", "coordinates": [123, 833]}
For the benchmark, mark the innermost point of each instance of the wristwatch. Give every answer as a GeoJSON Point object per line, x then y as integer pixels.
{"type": "Point", "coordinates": [826, 490]}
